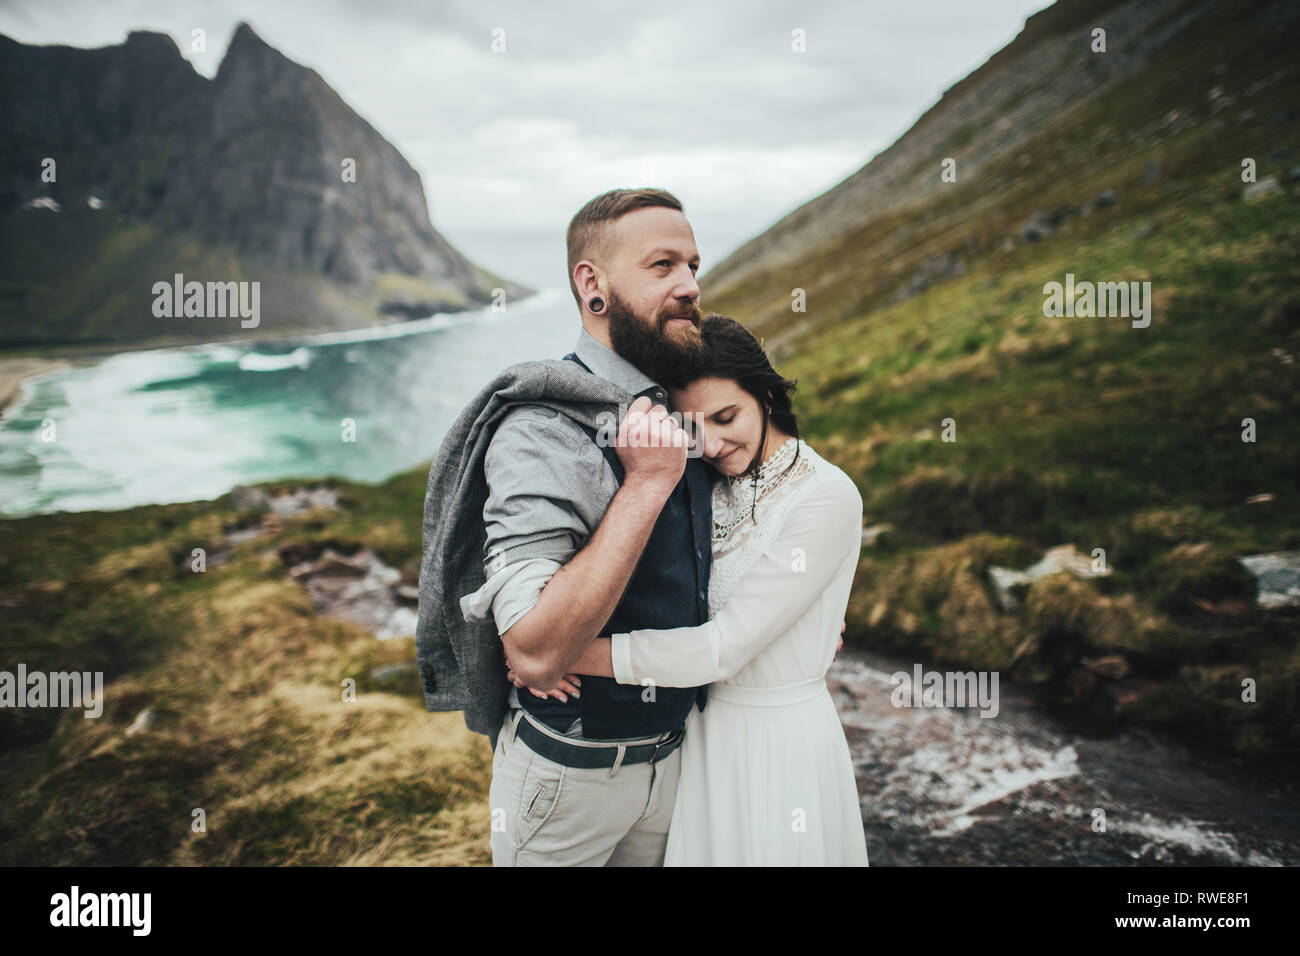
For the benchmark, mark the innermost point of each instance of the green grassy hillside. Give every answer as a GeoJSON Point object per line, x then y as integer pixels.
{"type": "Point", "coordinates": [244, 685]}
{"type": "Point", "coordinates": [1080, 430]}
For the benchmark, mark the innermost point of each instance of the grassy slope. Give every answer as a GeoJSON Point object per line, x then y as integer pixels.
{"type": "Point", "coordinates": [1081, 430]}
{"type": "Point", "coordinates": [246, 685]}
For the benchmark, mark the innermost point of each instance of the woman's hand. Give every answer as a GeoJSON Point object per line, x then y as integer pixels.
{"type": "Point", "coordinates": [568, 684]}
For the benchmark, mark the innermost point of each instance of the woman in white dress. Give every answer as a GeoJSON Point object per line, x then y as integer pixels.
{"type": "Point", "coordinates": [766, 776]}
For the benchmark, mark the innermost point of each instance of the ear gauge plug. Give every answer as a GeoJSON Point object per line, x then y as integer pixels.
{"type": "Point", "coordinates": [596, 304]}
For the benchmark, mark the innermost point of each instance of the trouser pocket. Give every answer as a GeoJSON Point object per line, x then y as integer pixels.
{"type": "Point", "coordinates": [542, 790]}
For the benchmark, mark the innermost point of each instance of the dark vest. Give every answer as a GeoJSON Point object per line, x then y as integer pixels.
{"type": "Point", "coordinates": [669, 588]}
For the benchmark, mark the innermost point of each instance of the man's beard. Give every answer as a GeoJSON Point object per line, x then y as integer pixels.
{"type": "Point", "coordinates": [653, 349]}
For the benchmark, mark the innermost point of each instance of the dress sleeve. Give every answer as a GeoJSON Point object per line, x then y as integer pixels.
{"type": "Point", "coordinates": [823, 526]}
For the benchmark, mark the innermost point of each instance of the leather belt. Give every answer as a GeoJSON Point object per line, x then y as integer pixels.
{"type": "Point", "coordinates": [587, 754]}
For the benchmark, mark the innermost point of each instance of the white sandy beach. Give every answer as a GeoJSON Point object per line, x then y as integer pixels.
{"type": "Point", "coordinates": [14, 370]}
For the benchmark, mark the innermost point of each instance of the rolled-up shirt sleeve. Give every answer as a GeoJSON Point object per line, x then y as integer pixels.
{"type": "Point", "coordinates": [510, 593]}
{"type": "Point", "coordinates": [824, 522]}
{"type": "Point", "coordinates": [548, 489]}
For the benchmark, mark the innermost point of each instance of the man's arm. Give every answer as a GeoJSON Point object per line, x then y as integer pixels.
{"type": "Point", "coordinates": [582, 595]}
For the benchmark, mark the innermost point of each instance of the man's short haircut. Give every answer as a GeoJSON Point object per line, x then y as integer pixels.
{"type": "Point", "coordinates": [588, 235]}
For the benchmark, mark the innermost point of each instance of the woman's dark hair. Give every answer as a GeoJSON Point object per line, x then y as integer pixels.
{"type": "Point", "coordinates": [734, 353]}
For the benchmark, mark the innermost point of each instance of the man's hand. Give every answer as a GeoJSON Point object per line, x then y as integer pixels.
{"type": "Point", "coordinates": [651, 446]}
{"type": "Point", "coordinates": [839, 647]}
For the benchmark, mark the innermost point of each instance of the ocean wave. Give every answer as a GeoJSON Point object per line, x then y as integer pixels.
{"type": "Point", "coordinates": [262, 362]}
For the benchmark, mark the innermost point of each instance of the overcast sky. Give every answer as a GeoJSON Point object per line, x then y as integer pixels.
{"type": "Point", "coordinates": [707, 100]}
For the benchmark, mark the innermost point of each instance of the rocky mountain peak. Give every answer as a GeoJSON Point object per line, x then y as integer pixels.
{"type": "Point", "coordinates": [252, 58]}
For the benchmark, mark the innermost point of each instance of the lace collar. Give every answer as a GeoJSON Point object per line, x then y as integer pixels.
{"type": "Point", "coordinates": [748, 489]}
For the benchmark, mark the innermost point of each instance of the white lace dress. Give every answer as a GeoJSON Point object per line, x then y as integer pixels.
{"type": "Point", "coordinates": [766, 776]}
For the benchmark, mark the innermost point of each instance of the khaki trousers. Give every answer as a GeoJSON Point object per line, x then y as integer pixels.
{"type": "Point", "coordinates": [547, 814]}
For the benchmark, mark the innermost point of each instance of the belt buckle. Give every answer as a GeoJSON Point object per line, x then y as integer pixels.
{"type": "Point", "coordinates": [677, 735]}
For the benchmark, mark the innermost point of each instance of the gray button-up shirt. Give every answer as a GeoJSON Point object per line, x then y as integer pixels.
{"type": "Point", "coordinates": [549, 487]}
